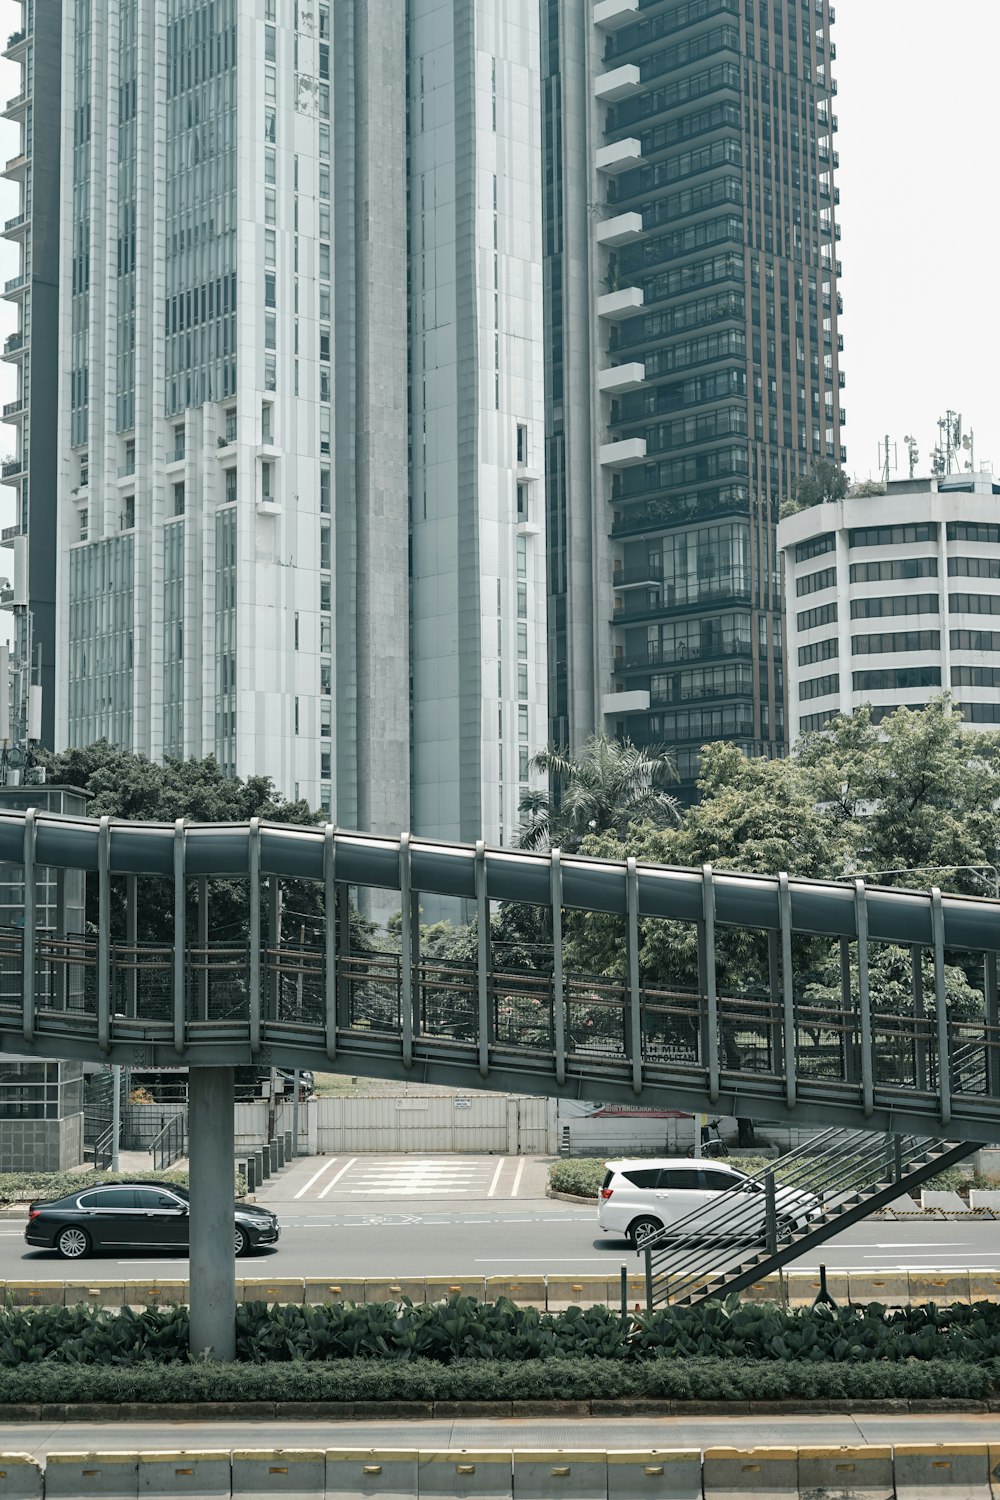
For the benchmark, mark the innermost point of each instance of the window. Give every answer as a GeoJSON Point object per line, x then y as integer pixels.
{"type": "Point", "coordinates": [896, 640]}
{"type": "Point", "coordinates": [325, 676]}
{"type": "Point", "coordinates": [816, 547]}
{"type": "Point", "coordinates": [179, 499]}
{"type": "Point", "coordinates": [324, 491]}
{"type": "Point", "coordinates": [897, 677]}
{"type": "Point", "coordinates": [818, 651]}
{"type": "Point", "coordinates": [109, 1197]}
{"type": "Point", "coordinates": [974, 604]}
{"type": "Point", "coordinates": [149, 1198]}
{"type": "Point", "coordinates": [809, 619]}
{"type": "Point", "coordinates": [270, 372]}
{"type": "Point", "coordinates": [325, 592]}
{"type": "Point", "coordinates": [522, 557]}
{"type": "Point", "coordinates": [522, 445]}
{"type": "Point", "coordinates": [325, 716]}
{"type": "Point", "coordinates": [973, 531]}
{"type": "Point", "coordinates": [128, 514]}
{"type": "Point", "coordinates": [231, 424]}
{"type": "Point", "coordinates": [895, 604]}
{"type": "Point", "coordinates": [898, 567]}
{"type": "Point", "coordinates": [819, 687]}
{"type": "Point", "coordinates": [642, 1177]}
{"type": "Point", "coordinates": [230, 487]}
{"type": "Point", "coordinates": [270, 330]}
{"type": "Point", "coordinates": [812, 583]}
{"type": "Point", "coordinates": [324, 545]}
{"type": "Point", "coordinates": [974, 567]}
{"type": "Point", "coordinates": [522, 502]}
{"type": "Point", "coordinates": [892, 536]}
{"type": "Point", "coordinates": [270, 289]}
{"type": "Point", "coordinates": [179, 442]}
{"type": "Point", "coordinates": [981, 713]}
{"type": "Point", "coordinates": [296, 630]}
{"type": "Point", "coordinates": [813, 723]}
{"type": "Point", "coordinates": [325, 635]}
{"type": "Point", "coordinates": [266, 482]}
{"type": "Point", "coordinates": [84, 517]}
{"type": "Point", "coordinates": [975, 640]}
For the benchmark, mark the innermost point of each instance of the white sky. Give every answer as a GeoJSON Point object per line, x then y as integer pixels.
{"type": "Point", "coordinates": [919, 210]}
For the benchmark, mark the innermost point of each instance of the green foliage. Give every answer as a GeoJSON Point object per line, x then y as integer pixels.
{"type": "Point", "coordinates": [580, 1175]}
{"type": "Point", "coordinates": [27, 1187]}
{"type": "Point", "coordinates": [824, 481]}
{"type": "Point", "coordinates": [609, 786]}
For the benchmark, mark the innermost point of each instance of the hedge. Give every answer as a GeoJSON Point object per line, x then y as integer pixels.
{"type": "Point", "coordinates": [582, 1176]}
{"type": "Point", "coordinates": [500, 1380]}
{"type": "Point", "coordinates": [26, 1187]}
{"type": "Point", "coordinates": [461, 1328]}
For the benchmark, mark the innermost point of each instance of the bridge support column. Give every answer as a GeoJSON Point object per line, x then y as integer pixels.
{"type": "Point", "coordinates": [213, 1264]}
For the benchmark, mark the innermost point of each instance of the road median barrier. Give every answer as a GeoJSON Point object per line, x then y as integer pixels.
{"type": "Point", "coordinates": [529, 1290]}
{"type": "Point", "coordinates": [943, 1287]}
{"type": "Point", "coordinates": [318, 1289]}
{"type": "Point", "coordinates": [984, 1286]}
{"type": "Point", "coordinates": [457, 1474]}
{"type": "Point", "coordinates": [71, 1476]}
{"type": "Point", "coordinates": [289, 1290]}
{"type": "Point", "coordinates": [892, 1288]}
{"type": "Point", "coordinates": [440, 1288]}
{"type": "Point", "coordinates": [751, 1474]}
{"type": "Point", "coordinates": [579, 1291]}
{"type": "Point", "coordinates": [110, 1294]}
{"type": "Point", "coordinates": [802, 1287]}
{"type": "Point", "coordinates": [353, 1472]}
{"type": "Point", "coordinates": [296, 1472]}
{"type": "Point", "coordinates": [21, 1477]}
{"type": "Point", "coordinates": [847, 1473]}
{"type": "Point", "coordinates": [204, 1475]}
{"type": "Point", "coordinates": [562, 1475]}
{"type": "Point", "coordinates": [673, 1475]}
{"type": "Point", "coordinates": [960, 1471]}
{"type": "Point", "coordinates": [37, 1293]}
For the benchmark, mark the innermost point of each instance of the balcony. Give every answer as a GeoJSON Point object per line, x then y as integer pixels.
{"type": "Point", "coordinates": [619, 156]}
{"type": "Point", "coordinates": [616, 306]}
{"type": "Point", "coordinates": [15, 284]}
{"type": "Point", "coordinates": [683, 595]}
{"type": "Point", "coordinates": [13, 344]}
{"type": "Point", "coordinates": [10, 533]}
{"type": "Point", "coordinates": [14, 106]}
{"type": "Point", "coordinates": [618, 379]}
{"type": "Point", "coordinates": [635, 702]}
{"type": "Point", "coordinates": [15, 42]}
{"type": "Point", "coordinates": [610, 15]}
{"type": "Point", "coordinates": [13, 409]}
{"type": "Point", "coordinates": [17, 164]}
{"type": "Point", "coordinates": [648, 575]}
{"type": "Point", "coordinates": [11, 470]}
{"type": "Point", "coordinates": [681, 653]}
{"type": "Point", "coordinates": [623, 229]}
{"type": "Point", "coordinates": [18, 222]}
{"type": "Point", "coordinates": [623, 454]}
{"type": "Point", "coordinates": [127, 469]}
{"type": "Point", "coordinates": [617, 84]}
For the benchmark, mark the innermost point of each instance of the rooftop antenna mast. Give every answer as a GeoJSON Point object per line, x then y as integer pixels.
{"type": "Point", "coordinates": [912, 453]}
{"type": "Point", "coordinates": [887, 457]}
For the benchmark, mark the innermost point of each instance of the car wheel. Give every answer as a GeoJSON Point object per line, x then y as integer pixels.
{"type": "Point", "coordinates": [641, 1230]}
{"type": "Point", "coordinates": [241, 1241]}
{"type": "Point", "coordinates": [73, 1243]}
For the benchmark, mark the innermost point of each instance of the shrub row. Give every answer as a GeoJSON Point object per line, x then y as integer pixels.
{"type": "Point", "coordinates": [462, 1328]}
{"type": "Point", "coordinates": [501, 1380]}
{"type": "Point", "coordinates": [26, 1187]}
{"type": "Point", "coordinates": [583, 1175]}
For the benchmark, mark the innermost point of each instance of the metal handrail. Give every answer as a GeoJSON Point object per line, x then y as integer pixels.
{"type": "Point", "coordinates": [851, 1164]}
{"type": "Point", "coordinates": [104, 1149]}
{"type": "Point", "coordinates": [168, 1143]}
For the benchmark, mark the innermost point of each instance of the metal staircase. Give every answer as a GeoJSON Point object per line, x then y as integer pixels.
{"type": "Point", "coordinates": [754, 1228]}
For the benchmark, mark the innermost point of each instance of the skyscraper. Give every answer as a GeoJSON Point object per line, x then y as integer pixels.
{"type": "Point", "coordinates": [693, 354]}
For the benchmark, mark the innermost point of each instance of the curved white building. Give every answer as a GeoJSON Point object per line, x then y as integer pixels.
{"type": "Point", "coordinates": [891, 599]}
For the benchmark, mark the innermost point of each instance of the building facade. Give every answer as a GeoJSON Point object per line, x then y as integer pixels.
{"type": "Point", "coordinates": [893, 599]}
{"type": "Point", "coordinates": [476, 415]}
{"type": "Point", "coordinates": [693, 354]}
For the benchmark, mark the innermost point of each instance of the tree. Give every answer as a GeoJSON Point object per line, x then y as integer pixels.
{"type": "Point", "coordinates": [824, 481]}
{"type": "Point", "coordinates": [610, 786]}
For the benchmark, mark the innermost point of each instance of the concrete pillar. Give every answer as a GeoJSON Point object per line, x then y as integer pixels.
{"type": "Point", "coordinates": [213, 1264]}
{"type": "Point", "coordinates": [262, 1165]}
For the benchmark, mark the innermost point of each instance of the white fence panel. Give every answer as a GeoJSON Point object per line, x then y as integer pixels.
{"type": "Point", "coordinates": [476, 1123]}
{"type": "Point", "coordinates": [250, 1125]}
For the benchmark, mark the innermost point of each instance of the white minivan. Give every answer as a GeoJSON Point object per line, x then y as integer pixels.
{"type": "Point", "coordinates": [640, 1199]}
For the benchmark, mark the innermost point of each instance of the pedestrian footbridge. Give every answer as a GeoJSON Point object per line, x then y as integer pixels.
{"type": "Point", "coordinates": [285, 992]}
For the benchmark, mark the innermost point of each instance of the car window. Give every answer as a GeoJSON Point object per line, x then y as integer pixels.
{"type": "Point", "coordinates": [109, 1197]}
{"type": "Point", "coordinates": [715, 1181]}
{"type": "Point", "coordinates": [677, 1177]}
{"type": "Point", "coordinates": [152, 1198]}
{"type": "Point", "coordinates": [642, 1177]}
{"type": "Point", "coordinates": [607, 1179]}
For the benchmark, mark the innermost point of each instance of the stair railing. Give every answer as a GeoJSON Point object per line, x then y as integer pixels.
{"type": "Point", "coordinates": [835, 1167]}
{"type": "Point", "coordinates": [168, 1144]}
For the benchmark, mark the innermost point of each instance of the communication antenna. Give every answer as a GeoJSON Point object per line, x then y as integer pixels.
{"type": "Point", "coordinates": [912, 453]}
{"type": "Point", "coordinates": [887, 458]}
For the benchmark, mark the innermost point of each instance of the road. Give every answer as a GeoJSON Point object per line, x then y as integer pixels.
{"type": "Point", "coordinates": [478, 1216]}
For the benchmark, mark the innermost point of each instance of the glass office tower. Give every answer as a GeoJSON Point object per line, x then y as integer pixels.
{"type": "Point", "coordinates": [692, 308]}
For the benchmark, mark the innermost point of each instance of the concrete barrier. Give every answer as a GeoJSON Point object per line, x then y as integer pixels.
{"type": "Point", "coordinates": [70, 1476]}
{"type": "Point", "coordinates": [363, 1473]}
{"type": "Point", "coordinates": [569, 1475]}
{"type": "Point", "coordinates": [94, 1294]}
{"type": "Point", "coordinates": [578, 1291]}
{"type": "Point", "coordinates": [891, 1288]}
{"type": "Point", "coordinates": [768, 1289]}
{"type": "Point", "coordinates": [439, 1288]}
{"type": "Point", "coordinates": [20, 1477]}
{"type": "Point", "coordinates": [529, 1290]}
{"type": "Point", "coordinates": [854, 1473]}
{"type": "Point", "coordinates": [664, 1476]}
{"type": "Point", "coordinates": [203, 1475]}
{"type": "Point", "coordinates": [479, 1474]}
{"type": "Point", "coordinates": [332, 1289]}
{"type": "Point", "coordinates": [37, 1293]}
{"type": "Point", "coordinates": [802, 1287]}
{"type": "Point", "coordinates": [984, 1286]}
{"type": "Point", "coordinates": [959, 1470]}
{"type": "Point", "coordinates": [288, 1289]}
{"type": "Point", "coordinates": [751, 1474]}
{"type": "Point", "coordinates": [298, 1472]}
{"type": "Point", "coordinates": [944, 1287]}
{"type": "Point", "coordinates": [985, 1198]}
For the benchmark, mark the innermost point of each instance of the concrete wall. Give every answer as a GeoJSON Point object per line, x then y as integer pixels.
{"type": "Point", "coordinates": [41, 1145]}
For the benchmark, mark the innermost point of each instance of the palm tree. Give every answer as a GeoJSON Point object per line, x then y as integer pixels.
{"type": "Point", "coordinates": [611, 784]}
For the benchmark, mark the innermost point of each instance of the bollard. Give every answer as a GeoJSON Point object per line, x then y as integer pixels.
{"type": "Point", "coordinates": [251, 1170]}
{"type": "Point", "coordinates": [272, 1147]}
{"type": "Point", "coordinates": [280, 1471]}
{"type": "Point", "coordinates": [279, 1146]}
{"type": "Point", "coordinates": [562, 1473]}
{"type": "Point", "coordinates": [961, 1470]}
{"type": "Point", "coordinates": [288, 1145]}
{"type": "Point", "coordinates": [751, 1474]}
{"type": "Point", "coordinates": [462, 1475]}
{"type": "Point", "coordinates": [848, 1473]}
{"type": "Point", "coordinates": [20, 1477]}
{"type": "Point", "coordinates": [203, 1475]}
{"type": "Point", "coordinates": [364, 1473]}
{"type": "Point", "coordinates": [258, 1163]}
{"type": "Point", "coordinates": [264, 1158]}
{"type": "Point", "coordinates": [70, 1476]}
{"type": "Point", "coordinates": [675, 1475]}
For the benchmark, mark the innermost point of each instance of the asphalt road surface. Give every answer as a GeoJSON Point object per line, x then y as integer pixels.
{"type": "Point", "coordinates": [405, 1216]}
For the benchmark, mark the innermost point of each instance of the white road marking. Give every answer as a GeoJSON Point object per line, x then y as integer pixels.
{"type": "Point", "coordinates": [316, 1176]}
{"type": "Point", "coordinates": [338, 1175]}
{"type": "Point", "coordinates": [496, 1177]}
{"type": "Point", "coordinates": [562, 1260]}
{"type": "Point", "coordinates": [517, 1177]}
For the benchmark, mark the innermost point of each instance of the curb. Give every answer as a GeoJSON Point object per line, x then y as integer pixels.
{"type": "Point", "coordinates": [570, 1198]}
{"type": "Point", "coordinates": [422, 1411]}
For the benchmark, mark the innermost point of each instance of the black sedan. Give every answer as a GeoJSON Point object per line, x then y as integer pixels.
{"type": "Point", "coordinates": [134, 1216]}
